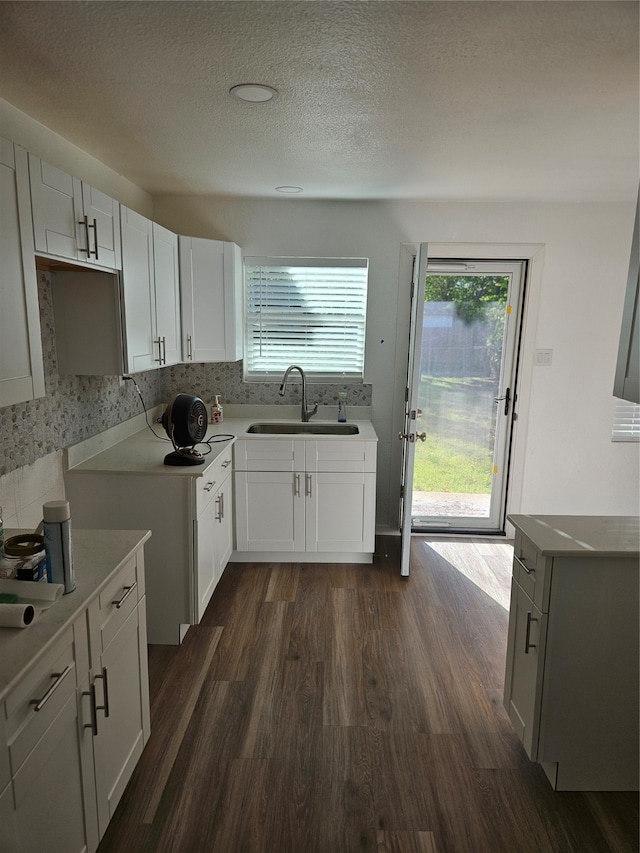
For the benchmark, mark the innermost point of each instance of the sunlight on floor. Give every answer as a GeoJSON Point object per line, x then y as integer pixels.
{"type": "Point", "coordinates": [485, 563]}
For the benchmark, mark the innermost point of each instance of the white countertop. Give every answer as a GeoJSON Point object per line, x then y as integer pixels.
{"type": "Point", "coordinates": [144, 452]}
{"type": "Point", "coordinates": [582, 535]}
{"type": "Point", "coordinates": [97, 554]}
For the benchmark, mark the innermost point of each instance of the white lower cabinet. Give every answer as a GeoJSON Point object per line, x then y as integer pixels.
{"type": "Point", "coordinates": [76, 725]}
{"type": "Point", "coordinates": [44, 749]}
{"type": "Point", "coordinates": [572, 668]}
{"type": "Point", "coordinates": [190, 543]}
{"type": "Point", "coordinates": [305, 497]}
{"type": "Point", "coordinates": [213, 530]}
{"type": "Point", "coordinates": [119, 690]}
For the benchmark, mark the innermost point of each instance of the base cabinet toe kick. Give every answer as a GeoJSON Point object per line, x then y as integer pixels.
{"type": "Point", "coordinates": [572, 669]}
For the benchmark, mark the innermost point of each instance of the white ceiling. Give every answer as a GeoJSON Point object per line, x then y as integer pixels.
{"type": "Point", "coordinates": [410, 100]}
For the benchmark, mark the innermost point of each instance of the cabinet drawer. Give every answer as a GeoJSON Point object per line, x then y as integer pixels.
{"type": "Point", "coordinates": [532, 570]}
{"type": "Point", "coordinates": [209, 484]}
{"type": "Point", "coordinates": [109, 612]}
{"type": "Point", "coordinates": [269, 454]}
{"type": "Point", "coordinates": [345, 455]}
{"type": "Point", "coordinates": [35, 702]}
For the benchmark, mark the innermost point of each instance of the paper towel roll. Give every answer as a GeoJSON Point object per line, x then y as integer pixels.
{"type": "Point", "coordinates": [41, 595]}
{"type": "Point", "coordinates": [16, 615]}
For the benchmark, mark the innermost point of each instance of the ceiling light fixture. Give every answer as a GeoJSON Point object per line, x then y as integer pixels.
{"type": "Point", "coordinates": [253, 93]}
{"type": "Point", "coordinates": [286, 189]}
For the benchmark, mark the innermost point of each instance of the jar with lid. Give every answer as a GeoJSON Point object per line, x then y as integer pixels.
{"type": "Point", "coordinates": [24, 558]}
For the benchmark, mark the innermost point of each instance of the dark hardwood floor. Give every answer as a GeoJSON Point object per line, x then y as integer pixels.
{"type": "Point", "coordinates": [339, 708]}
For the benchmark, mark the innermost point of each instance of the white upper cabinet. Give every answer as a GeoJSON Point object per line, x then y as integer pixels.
{"type": "Point", "coordinates": [151, 295]}
{"type": "Point", "coordinates": [211, 296]}
{"type": "Point", "coordinates": [167, 293]}
{"type": "Point", "coordinates": [72, 219]}
{"type": "Point", "coordinates": [21, 366]}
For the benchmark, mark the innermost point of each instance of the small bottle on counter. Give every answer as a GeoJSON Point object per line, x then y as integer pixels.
{"type": "Point", "coordinates": [56, 518]}
{"type": "Point", "coordinates": [216, 411]}
{"type": "Point", "coordinates": [342, 407]}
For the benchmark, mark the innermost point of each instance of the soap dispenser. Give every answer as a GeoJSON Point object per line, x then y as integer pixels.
{"type": "Point", "coordinates": [216, 411]}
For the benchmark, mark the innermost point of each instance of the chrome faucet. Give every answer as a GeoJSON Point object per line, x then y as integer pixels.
{"type": "Point", "coordinates": [307, 414]}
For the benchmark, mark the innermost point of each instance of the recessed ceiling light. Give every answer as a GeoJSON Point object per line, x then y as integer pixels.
{"type": "Point", "coordinates": [253, 93]}
{"type": "Point", "coordinates": [289, 189]}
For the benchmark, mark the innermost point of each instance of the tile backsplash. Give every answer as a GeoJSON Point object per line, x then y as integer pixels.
{"type": "Point", "coordinates": [77, 407]}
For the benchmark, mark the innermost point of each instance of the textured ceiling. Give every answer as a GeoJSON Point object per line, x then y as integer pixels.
{"type": "Point", "coordinates": [436, 100]}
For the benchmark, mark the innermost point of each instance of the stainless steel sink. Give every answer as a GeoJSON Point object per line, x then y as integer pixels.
{"type": "Point", "coordinates": [288, 428]}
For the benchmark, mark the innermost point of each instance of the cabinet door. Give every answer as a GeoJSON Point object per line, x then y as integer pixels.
{"type": "Point", "coordinates": [211, 299]}
{"type": "Point", "coordinates": [269, 511]}
{"type": "Point", "coordinates": [48, 789]}
{"type": "Point", "coordinates": [121, 725]}
{"type": "Point", "coordinates": [8, 831]}
{"type": "Point", "coordinates": [103, 217]}
{"type": "Point", "coordinates": [224, 526]}
{"type": "Point", "coordinates": [167, 294]}
{"type": "Point", "coordinates": [340, 512]}
{"type": "Point", "coordinates": [21, 364]}
{"type": "Point", "coordinates": [143, 353]}
{"type": "Point", "coordinates": [55, 214]}
{"type": "Point", "coordinates": [525, 668]}
{"type": "Point", "coordinates": [205, 552]}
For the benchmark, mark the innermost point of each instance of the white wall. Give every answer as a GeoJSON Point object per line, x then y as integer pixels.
{"type": "Point", "coordinates": [564, 460]}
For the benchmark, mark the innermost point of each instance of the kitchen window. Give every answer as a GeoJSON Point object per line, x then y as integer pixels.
{"type": "Point", "coordinates": [305, 311]}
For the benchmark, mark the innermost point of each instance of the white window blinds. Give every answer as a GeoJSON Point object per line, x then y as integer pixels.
{"type": "Point", "coordinates": [626, 421]}
{"type": "Point", "coordinates": [305, 311]}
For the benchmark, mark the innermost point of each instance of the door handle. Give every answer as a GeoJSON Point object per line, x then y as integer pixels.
{"type": "Point", "coordinates": [506, 398]}
{"type": "Point", "coordinates": [412, 436]}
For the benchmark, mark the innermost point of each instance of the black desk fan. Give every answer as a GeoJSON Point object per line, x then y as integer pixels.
{"type": "Point", "coordinates": [185, 421]}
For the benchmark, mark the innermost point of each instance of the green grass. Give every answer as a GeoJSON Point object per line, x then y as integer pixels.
{"type": "Point", "coordinates": [458, 416]}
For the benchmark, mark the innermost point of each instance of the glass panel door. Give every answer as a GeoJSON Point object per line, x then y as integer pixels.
{"type": "Point", "coordinates": [467, 372]}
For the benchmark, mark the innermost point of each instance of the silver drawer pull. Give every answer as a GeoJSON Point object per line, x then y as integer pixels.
{"type": "Point", "coordinates": [226, 463]}
{"type": "Point", "coordinates": [526, 568]}
{"type": "Point", "coordinates": [127, 592]}
{"type": "Point", "coordinates": [209, 485]}
{"type": "Point", "coordinates": [59, 677]}
{"type": "Point", "coordinates": [93, 725]}
{"type": "Point", "coordinates": [105, 692]}
{"type": "Point", "coordinates": [527, 638]}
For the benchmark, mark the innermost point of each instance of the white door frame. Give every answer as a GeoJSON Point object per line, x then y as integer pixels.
{"type": "Point", "coordinates": [533, 253]}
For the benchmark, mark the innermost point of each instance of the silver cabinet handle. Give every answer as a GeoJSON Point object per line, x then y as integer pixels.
{"type": "Point", "coordinates": [296, 485]}
{"type": "Point", "coordinates": [527, 639]}
{"type": "Point", "coordinates": [526, 568]}
{"type": "Point", "coordinates": [209, 485]}
{"type": "Point", "coordinates": [308, 479]}
{"type": "Point", "coordinates": [85, 221]}
{"type": "Point", "coordinates": [59, 678]}
{"type": "Point", "coordinates": [127, 592]}
{"type": "Point", "coordinates": [220, 502]}
{"type": "Point", "coordinates": [158, 342]}
{"type": "Point", "coordinates": [189, 348]}
{"type": "Point", "coordinates": [88, 250]}
{"type": "Point", "coordinates": [95, 239]}
{"type": "Point", "coordinates": [93, 725]}
{"type": "Point", "coordinates": [226, 464]}
{"type": "Point", "coordinates": [164, 350]}
{"type": "Point", "coordinates": [105, 682]}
